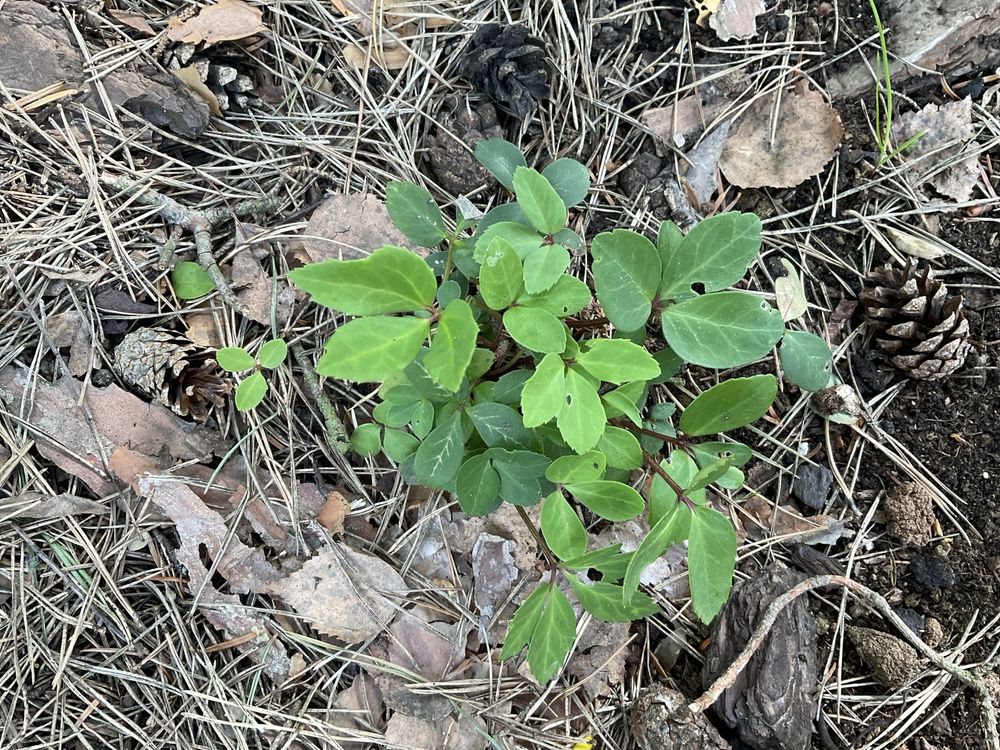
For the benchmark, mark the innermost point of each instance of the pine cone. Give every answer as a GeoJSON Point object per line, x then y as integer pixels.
{"type": "Point", "coordinates": [916, 322]}
{"type": "Point", "coordinates": [173, 370]}
{"type": "Point", "coordinates": [509, 65]}
{"type": "Point", "coordinates": [455, 168]}
{"type": "Point", "coordinates": [224, 74]}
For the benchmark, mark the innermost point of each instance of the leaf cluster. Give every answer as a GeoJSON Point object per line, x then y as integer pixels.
{"type": "Point", "coordinates": [495, 386]}
{"type": "Point", "coordinates": [252, 389]}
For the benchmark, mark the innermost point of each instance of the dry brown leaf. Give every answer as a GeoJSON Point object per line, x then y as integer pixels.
{"type": "Point", "coordinates": [84, 277]}
{"type": "Point", "coordinates": [430, 649]}
{"type": "Point", "coordinates": [494, 573]}
{"type": "Point", "coordinates": [347, 227]}
{"type": "Point", "coordinates": [358, 710]}
{"type": "Point", "coordinates": [203, 328]}
{"type": "Point", "coordinates": [702, 175]}
{"type": "Point", "coordinates": [135, 21]}
{"type": "Point", "coordinates": [225, 21]}
{"type": "Point", "coordinates": [391, 56]}
{"type": "Point", "coordinates": [331, 516]}
{"type": "Point", "coordinates": [807, 134]}
{"type": "Point", "coordinates": [451, 733]}
{"type": "Point", "coordinates": [915, 245]}
{"type": "Point", "coordinates": [789, 524]}
{"type": "Point", "coordinates": [675, 122]}
{"type": "Point", "coordinates": [736, 19]}
{"type": "Point", "coordinates": [789, 293]}
{"type": "Point", "coordinates": [254, 289]}
{"type": "Point", "coordinates": [39, 505]}
{"type": "Point", "coordinates": [599, 657]}
{"type": "Point", "coordinates": [189, 77]}
{"type": "Point", "coordinates": [200, 528]}
{"type": "Point", "coordinates": [69, 329]}
{"type": "Point", "coordinates": [343, 593]}
{"type": "Point", "coordinates": [946, 130]}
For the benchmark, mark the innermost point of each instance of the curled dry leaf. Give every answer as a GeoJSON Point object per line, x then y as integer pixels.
{"type": "Point", "coordinates": [224, 21]}
{"type": "Point", "coordinates": [40, 505]}
{"type": "Point", "coordinates": [331, 516]}
{"type": "Point", "coordinates": [789, 293]}
{"type": "Point", "coordinates": [736, 19]}
{"type": "Point", "coordinates": [805, 137]}
{"type": "Point", "coordinates": [190, 78]}
{"type": "Point", "coordinates": [763, 519]}
{"type": "Point", "coordinates": [915, 245]}
{"type": "Point", "coordinates": [135, 21]}
{"type": "Point", "coordinates": [675, 122]}
{"type": "Point", "coordinates": [245, 568]}
{"type": "Point", "coordinates": [703, 165]}
{"type": "Point", "coordinates": [943, 130]}
{"type": "Point", "coordinates": [347, 227]}
{"type": "Point", "coordinates": [343, 593]}
{"type": "Point", "coordinates": [429, 649]}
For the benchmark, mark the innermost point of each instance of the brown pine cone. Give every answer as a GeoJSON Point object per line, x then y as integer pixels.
{"type": "Point", "coordinates": [916, 322]}
{"type": "Point", "coordinates": [508, 65]}
{"type": "Point", "coordinates": [173, 370]}
{"type": "Point", "coordinates": [455, 168]}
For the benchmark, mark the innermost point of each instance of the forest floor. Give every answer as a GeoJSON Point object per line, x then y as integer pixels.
{"type": "Point", "coordinates": [152, 586]}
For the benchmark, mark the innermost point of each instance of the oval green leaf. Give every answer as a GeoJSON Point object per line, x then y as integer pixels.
{"type": "Point", "coordinates": [567, 297]}
{"type": "Point", "coordinates": [581, 419]}
{"type": "Point", "coordinates": [535, 329]}
{"type": "Point", "coordinates": [452, 346]}
{"type": "Point", "coordinates": [585, 468]}
{"type": "Point", "coordinates": [617, 361]}
{"type": "Point", "coordinates": [500, 275]}
{"type": "Point", "coordinates": [730, 404]}
{"type": "Point", "coordinates": [806, 360]}
{"type": "Point", "coordinates": [500, 158]}
{"type": "Point", "coordinates": [415, 214]}
{"type": "Point", "coordinates": [272, 353]}
{"type": "Point", "coordinates": [606, 601]}
{"type": "Point", "coordinates": [561, 527]}
{"type": "Point", "coordinates": [626, 273]}
{"type": "Point", "coordinates": [610, 500]}
{"type": "Point", "coordinates": [544, 393]}
{"type": "Point", "coordinates": [570, 180]}
{"type": "Point", "coordinates": [234, 359]}
{"type": "Point", "coordinates": [190, 280]}
{"type": "Point", "coordinates": [367, 439]}
{"type": "Point", "coordinates": [390, 280]}
{"type": "Point", "coordinates": [250, 392]}
{"type": "Point", "coordinates": [439, 457]}
{"type": "Point", "coordinates": [724, 329]}
{"type": "Point", "coordinates": [372, 349]}
{"type": "Point", "coordinates": [540, 202]}
{"type": "Point", "coordinates": [543, 267]}
{"type": "Point", "coordinates": [478, 487]}
{"type": "Point", "coordinates": [711, 560]}
{"type": "Point", "coordinates": [715, 253]}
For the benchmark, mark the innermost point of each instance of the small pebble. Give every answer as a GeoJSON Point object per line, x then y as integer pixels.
{"type": "Point", "coordinates": [812, 485]}
{"type": "Point", "coordinates": [892, 662]}
{"type": "Point", "coordinates": [931, 572]}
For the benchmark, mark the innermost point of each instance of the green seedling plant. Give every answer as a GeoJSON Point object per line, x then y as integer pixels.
{"type": "Point", "coordinates": [235, 359]}
{"type": "Point", "coordinates": [884, 112]}
{"type": "Point", "coordinates": [499, 382]}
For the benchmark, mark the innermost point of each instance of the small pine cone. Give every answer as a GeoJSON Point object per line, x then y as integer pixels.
{"type": "Point", "coordinates": [509, 65]}
{"type": "Point", "coordinates": [173, 370]}
{"type": "Point", "coordinates": [456, 168]}
{"type": "Point", "coordinates": [916, 322]}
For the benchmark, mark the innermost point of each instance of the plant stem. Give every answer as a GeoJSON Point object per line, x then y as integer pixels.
{"type": "Point", "coordinates": [335, 429]}
{"type": "Point", "coordinates": [546, 552]}
{"type": "Point", "coordinates": [651, 461]}
{"type": "Point", "coordinates": [679, 442]}
{"type": "Point", "coordinates": [882, 134]}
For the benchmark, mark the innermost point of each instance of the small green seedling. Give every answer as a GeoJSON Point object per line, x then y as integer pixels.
{"type": "Point", "coordinates": [251, 389]}
{"type": "Point", "coordinates": [506, 378]}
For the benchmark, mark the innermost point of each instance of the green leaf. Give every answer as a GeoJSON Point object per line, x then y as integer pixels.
{"type": "Point", "coordinates": [272, 353]}
{"type": "Point", "coordinates": [522, 475]}
{"type": "Point", "coordinates": [190, 280]}
{"type": "Point", "coordinates": [617, 361]}
{"type": "Point", "coordinates": [672, 528]}
{"type": "Point", "coordinates": [709, 452]}
{"type": "Point", "coordinates": [725, 329]}
{"type": "Point", "coordinates": [390, 280]}
{"type": "Point", "coordinates": [621, 448]}
{"type": "Point", "coordinates": [500, 275]}
{"type": "Point", "coordinates": [544, 393]}
{"type": "Point", "coordinates": [234, 359]}
{"type": "Point", "coordinates": [581, 418]}
{"type": "Point", "coordinates": [535, 329]}
{"type": "Point", "coordinates": [525, 620]}
{"type": "Point", "coordinates": [250, 392]}
{"type": "Point", "coordinates": [478, 486]}
{"type": "Point", "coordinates": [397, 445]}
{"type": "Point", "coordinates": [415, 213]}
{"type": "Point", "coordinates": [543, 267]}
{"type": "Point", "coordinates": [708, 474]}
{"type": "Point", "coordinates": [561, 527]}
{"type": "Point", "coordinates": [439, 457]}
{"type": "Point", "coordinates": [668, 240]}
{"type": "Point", "coordinates": [610, 500]}
{"type": "Point", "coordinates": [585, 468]}
{"type": "Point", "coordinates": [500, 158]}
{"type": "Point", "coordinates": [669, 364]}
{"type": "Point", "coordinates": [626, 272]}
{"type": "Point", "coordinates": [730, 404]}
{"type": "Point", "coordinates": [568, 239]}
{"type": "Point", "coordinates": [662, 498]}
{"type": "Point", "coordinates": [522, 238]}
{"type": "Point", "coordinates": [594, 559]}
{"type": "Point", "coordinates": [508, 389]}
{"type": "Point", "coordinates": [806, 360]}
{"type": "Point", "coordinates": [570, 180]}
{"type": "Point", "coordinates": [499, 426]}
{"type": "Point", "coordinates": [715, 253]}
{"type": "Point", "coordinates": [449, 291]}
{"type": "Point", "coordinates": [452, 346]}
{"type": "Point", "coordinates": [553, 637]}
{"type": "Point", "coordinates": [372, 349]}
{"type": "Point", "coordinates": [509, 212]}
{"type": "Point", "coordinates": [567, 297]}
{"type": "Point", "coordinates": [482, 361]}
{"type": "Point", "coordinates": [367, 439]}
{"type": "Point", "coordinates": [623, 400]}
{"type": "Point", "coordinates": [422, 419]}
{"type": "Point", "coordinates": [605, 601]}
{"type": "Point", "coordinates": [540, 202]}
{"type": "Point", "coordinates": [711, 560]}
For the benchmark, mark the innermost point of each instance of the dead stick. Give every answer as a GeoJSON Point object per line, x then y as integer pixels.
{"type": "Point", "coordinates": [875, 601]}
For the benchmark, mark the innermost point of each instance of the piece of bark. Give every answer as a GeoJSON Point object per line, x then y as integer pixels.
{"type": "Point", "coordinates": [660, 720]}
{"type": "Point", "coordinates": [773, 700]}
